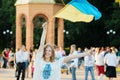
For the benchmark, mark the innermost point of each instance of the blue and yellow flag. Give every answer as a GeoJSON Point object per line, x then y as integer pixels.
{"type": "Point", "coordinates": [79, 10]}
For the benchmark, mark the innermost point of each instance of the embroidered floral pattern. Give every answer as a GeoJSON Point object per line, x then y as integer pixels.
{"type": "Point", "coordinates": [47, 71]}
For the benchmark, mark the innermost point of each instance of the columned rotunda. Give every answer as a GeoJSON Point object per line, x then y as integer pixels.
{"type": "Point", "coordinates": [30, 9]}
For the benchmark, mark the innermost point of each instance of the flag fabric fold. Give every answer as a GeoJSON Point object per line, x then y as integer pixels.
{"type": "Point", "coordinates": [79, 10]}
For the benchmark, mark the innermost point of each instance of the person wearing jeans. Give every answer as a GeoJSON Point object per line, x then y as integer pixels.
{"type": "Point", "coordinates": [73, 62]}
{"type": "Point", "coordinates": [89, 62]}
{"type": "Point", "coordinates": [73, 71]}
{"type": "Point", "coordinates": [20, 60]}
{"type": "Point", "coordinates": [87, 69]}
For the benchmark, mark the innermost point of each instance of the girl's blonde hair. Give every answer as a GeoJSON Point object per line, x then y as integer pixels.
{"type": "Point", "coordinates": [52, 58]}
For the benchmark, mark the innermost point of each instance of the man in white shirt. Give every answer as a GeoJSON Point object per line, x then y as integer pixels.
{"type": "Point", "coordinates": [20, 60]}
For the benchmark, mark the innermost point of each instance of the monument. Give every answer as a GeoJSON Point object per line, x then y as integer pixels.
{"type": "Point", "coordinates": [30, 9]}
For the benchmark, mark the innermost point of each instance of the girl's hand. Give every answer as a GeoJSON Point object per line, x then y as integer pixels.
{"type": "Point", "coordinates": [44, 26]}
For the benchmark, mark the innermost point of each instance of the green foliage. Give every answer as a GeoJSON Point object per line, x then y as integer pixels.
{"type": "Point", "coordinates": [67, 50]}
{"type": "Point", "coordinates": [113, 22]}
{"type": "Point", "coordinates": [85, 34]}
{"type": "Point", "coordinates": [38, 21]}
{"type": "Point", "coordinates": [114, 18]}
{"type": "Point", "coordinates": [7, 19]}
{"type": "Point", "coordinates": [0, 51]}
{"type": "Point", "coordinates": [23, 35]}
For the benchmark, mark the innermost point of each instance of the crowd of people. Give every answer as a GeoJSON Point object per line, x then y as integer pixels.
{"type": "Point", "coordinates": [47, 61]}
{"type": "Point", "coordinates": [104, 60]}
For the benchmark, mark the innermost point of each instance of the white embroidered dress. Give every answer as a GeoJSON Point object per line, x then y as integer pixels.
{"type": "Point", "coordinates": [55, 73]}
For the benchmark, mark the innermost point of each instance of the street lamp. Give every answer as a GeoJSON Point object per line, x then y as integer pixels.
{"type": "Point", "coordinates": [7, 34]}
{"type": "Point", "coordinates": [66, 38]}
{"type": "Point", "coordinates": [110, 34]}
{"type": "Point", "coordinates": [66, 32]}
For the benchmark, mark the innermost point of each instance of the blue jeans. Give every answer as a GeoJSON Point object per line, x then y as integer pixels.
{"type": "Point", "coordinates": [79, 62]}
{"type": "Point", "coordinates": [73, 71]}
{"type": "Point", "coordinates": [87, 69]}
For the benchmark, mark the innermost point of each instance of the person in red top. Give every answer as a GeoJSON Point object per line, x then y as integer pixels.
{"type": "Point", "coordinates": [5, 55]}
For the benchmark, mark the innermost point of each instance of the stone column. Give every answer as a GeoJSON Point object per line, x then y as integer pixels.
{"type": "Point", "coordinates": [29, 32]}
{"type": "Point", "coordinates": [18, 32]}
{"type": "Point", "coordinates": [51, 31]}
{"type": "Point", "coordinates": [60, 33]}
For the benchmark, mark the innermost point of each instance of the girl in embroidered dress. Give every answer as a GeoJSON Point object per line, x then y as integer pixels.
{"type": "Point", "coordinates": [46, 66]}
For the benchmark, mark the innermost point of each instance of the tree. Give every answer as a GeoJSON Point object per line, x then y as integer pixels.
{"type": "Point", "coordinates": [7, 18]}
{"type": "Point", "coordinates": [113, 23]}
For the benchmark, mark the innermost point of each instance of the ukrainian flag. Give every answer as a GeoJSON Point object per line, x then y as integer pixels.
{"type": "Point", "coordinates": [79, 10]}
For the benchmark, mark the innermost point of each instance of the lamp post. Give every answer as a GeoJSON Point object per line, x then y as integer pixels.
{"type": "Point", "coordinates": [7, 34]}
{"type": "Point", "coordinates": [110, 34]}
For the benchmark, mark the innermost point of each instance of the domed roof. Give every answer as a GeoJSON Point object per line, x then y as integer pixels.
{"type": "Point", "coordinates": [33, 1]}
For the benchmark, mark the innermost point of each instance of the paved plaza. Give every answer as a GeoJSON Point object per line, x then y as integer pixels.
{"type": "Point", "coordinates": [8, 74]}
